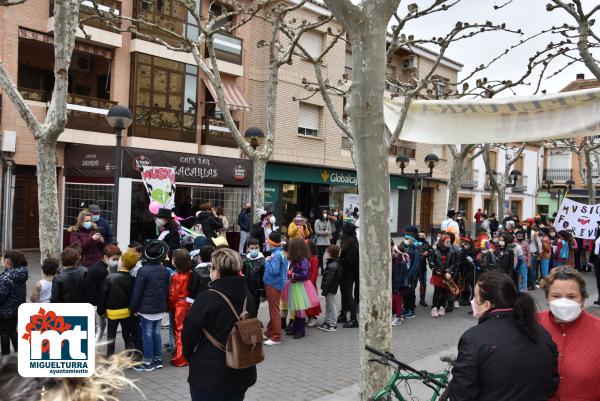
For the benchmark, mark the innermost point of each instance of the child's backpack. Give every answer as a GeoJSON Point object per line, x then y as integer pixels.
{"type": "Point", "coordinates": [244, 347]}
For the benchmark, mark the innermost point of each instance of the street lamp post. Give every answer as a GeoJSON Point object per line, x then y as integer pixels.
{"type": "Point", "coordinates": [255, 137]}
{"type": "Point", "coordinates": [402, 161]}
{"type": "Point", "coordinates": [119, 118]}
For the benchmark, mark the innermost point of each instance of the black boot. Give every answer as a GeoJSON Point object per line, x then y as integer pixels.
{"type": "Point", "coordinates": [422, 302]}
{"type": "Point", "coordinates": [342, 317]}
{"type": "Point", "coordinates": [289, 330]}
{"type": "Point", "coordinates": [283, 325]}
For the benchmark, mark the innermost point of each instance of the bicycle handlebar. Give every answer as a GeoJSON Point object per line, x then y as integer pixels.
{"type": "Point", "coordinates": [423, 374]}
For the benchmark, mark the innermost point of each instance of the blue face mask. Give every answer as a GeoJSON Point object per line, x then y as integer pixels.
{"type": "Point", "coordinates": [95, 217]}
{"type": "Point", "coordinates": [254, 253]}
{"type": "Point", "coordinates": [87, 225]}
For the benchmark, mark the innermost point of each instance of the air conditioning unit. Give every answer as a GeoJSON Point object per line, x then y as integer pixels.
{"type": "Point", "coordinates": [9, 142]}
{"type": "Point", "coordinates": [81, 63]}
{"type": "Point", "coordinates": [409, 63]}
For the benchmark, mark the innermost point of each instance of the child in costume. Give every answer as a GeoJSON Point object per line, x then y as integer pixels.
{"type": "Point", "coordinates": [313, 313]}
{"type": "Point", "coordinates": [180, 301]}
{"type": "Point", "coordinates": [254, 269]}
{"type": "Point", "coordinates": [299, 293]}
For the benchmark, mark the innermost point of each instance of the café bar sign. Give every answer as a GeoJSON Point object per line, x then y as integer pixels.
{"type": "Point", "coordinates": [99, 161]}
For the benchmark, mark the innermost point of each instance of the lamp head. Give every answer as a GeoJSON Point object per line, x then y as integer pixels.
{"type": "Point", "coordinates": [119, 117]}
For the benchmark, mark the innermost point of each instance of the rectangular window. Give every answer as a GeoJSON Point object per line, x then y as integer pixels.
{"type": "Point", "coordinates": [440, 89]}
{"type": "Point", "coordinates": [164, 98]}
{"type": "Point", "coordinates": [168, 14]}
{"type": "Point", "coordinates": [76, 194]}
{"type": "Point", "coordinates": [348, 65]}
{"type": "Point", "coordinates": [312, 41]}
{"type": "Point", "coordinates": [309, 118]}
{"type": "Point", "coordinates": [346, 145]}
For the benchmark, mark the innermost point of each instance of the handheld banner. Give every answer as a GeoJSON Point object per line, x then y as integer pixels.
{"type": "Point", "coordinates": [578, 218]}
{"type": "Point", "coordinates": [160, 185]}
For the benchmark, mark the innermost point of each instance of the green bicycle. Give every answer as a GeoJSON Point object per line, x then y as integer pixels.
{"type": "Point", "coordinates": [404, 373]}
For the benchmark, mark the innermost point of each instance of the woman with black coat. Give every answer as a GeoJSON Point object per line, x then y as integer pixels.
{"type": "Point", "coordinates": [207, 218]}
{"type": "Point", "coordinates": [508, 356]}
{"type": "Point", "coordinates": [349, 260]}
{"type": "Point", "coordinates": [209, 377]}
{"type": "Point", "coordinates": [169, 230]}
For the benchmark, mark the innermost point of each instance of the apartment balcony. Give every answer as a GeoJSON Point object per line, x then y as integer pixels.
{"type": "Point", "coordinates": [521, 185]}
{"type": "Point", "coordinates": [216, 133]}
{"type": "Point", "coordinates": [470, 179]}
{"type": "Point", "coordinates": [558, 175]}
{"type": "Point", "coordinates": [487, 185]}
{"type": "Point", "coordinates": [97, 30]}
{"type": "Point", "coordinates": [84, 113]}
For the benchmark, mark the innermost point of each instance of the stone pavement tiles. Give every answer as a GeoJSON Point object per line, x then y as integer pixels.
{"type": "Point", "coordinates": [321, 364]}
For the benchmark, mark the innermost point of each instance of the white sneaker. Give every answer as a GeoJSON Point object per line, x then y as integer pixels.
{"type": "Point", "coordinates": [441, 311]}
{"type": "Point", "coordinates": [271, 342]}
{"type": "Point", "coordinates": [434, 312]}
{"type": "Point", "coordinates": [312, 322]}
{"type": "Point", "coordinates": [265, 338]}
{"type": "Point", "coordinates": [396, 321]}
{"type": "Point", "coordinates": [456, 305]}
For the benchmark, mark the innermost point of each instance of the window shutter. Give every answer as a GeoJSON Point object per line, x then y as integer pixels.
{"type": "Point", "coordinates": [309, 116]}
{"type": "Point", "coordinates": [312, 41]}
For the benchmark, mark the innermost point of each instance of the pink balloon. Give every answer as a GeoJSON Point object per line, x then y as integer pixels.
{"type": "Point", "coordinates": [153, 207]}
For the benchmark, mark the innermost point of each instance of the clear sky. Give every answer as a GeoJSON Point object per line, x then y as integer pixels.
{"type": "Point", "coordinates": [529, 15]}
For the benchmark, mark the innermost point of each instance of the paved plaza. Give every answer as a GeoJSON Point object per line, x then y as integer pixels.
{"type": "Point", "coordinates": [322, 366]}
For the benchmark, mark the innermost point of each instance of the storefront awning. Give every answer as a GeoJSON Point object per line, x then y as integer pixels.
{"type": "Point", "coordinates": [233, 95]}
{"type": "Point", "coordinates": [80, 47]}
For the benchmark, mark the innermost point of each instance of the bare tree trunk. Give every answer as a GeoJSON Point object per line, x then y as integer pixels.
{"type": "Point", "coordinates": [589, 179]}
{"type": "Point", "coordinates": [370, 150]}
{"type": "Point", "coordinates": [501, 199]}
{"type": "Point", "coordinates": [258, 182]}
{"type": "Point", "coordinates": [456, 177]}
{"type": "Point", "coordinates": [49, 220]}
{"type": "Point", "coordinates": [66, 17]}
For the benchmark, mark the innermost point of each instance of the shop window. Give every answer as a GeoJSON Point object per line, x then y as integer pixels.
{"type": "Point", "coordinates": [228, 198]}
{"type": "Point", "coordinates": [164, 98]}
{"type": "Point", "coordinates": [309, 118]}
{"type": "Point", "coordinates": [76, 194]}
{"type": "Point", "coordinates": [312, 42]}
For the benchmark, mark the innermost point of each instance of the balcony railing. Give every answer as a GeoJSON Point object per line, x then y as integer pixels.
{"type": "Point", "coordinates": [84, 113]}
{"type": "Point", "coordinates": [558, 174]}
{"type": "Point", "coordinates": [216, 133]}
{"type": "Point", "coordinates": [486, 185]}
{"type": "Point", "coordinates": [521, 185]}
{"type": "Point", "coordinates": [469, 180]}
{"type": "Point", "coordinates": [87, 10]}
{"type": "Point", "coordinates": [228, 48]}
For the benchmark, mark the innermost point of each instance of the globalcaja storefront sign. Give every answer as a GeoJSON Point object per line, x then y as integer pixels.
{"type": "Point", "coordinates": [326, 176]}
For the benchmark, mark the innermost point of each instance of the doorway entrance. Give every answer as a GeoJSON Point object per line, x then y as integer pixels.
{"type": "Point", "coordinates": [25, 213]}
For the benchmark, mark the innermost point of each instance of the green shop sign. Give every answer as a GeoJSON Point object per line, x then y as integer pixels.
{"type": "Point", "coordinates": [325, 176]}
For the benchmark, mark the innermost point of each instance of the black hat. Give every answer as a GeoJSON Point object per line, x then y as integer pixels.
{"type": "Point", "coordinates": [275, 236]}
{"type": "Point", "coordinates": [349, 229]}
{"type": "Point", "coordinates": [155, 251]}
{"type": "Point", "coordinates": [164, 213]}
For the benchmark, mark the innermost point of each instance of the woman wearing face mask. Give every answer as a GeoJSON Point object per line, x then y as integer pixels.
{"type": "Point", "coordinates": [209, 378]}
{"type": "Point", "coordinates": [94, 281]}
{"type": "Point", "coordinates": [441, 262]}
{"type": "Point", "coordinates": [505, 255]}
{"type": "Point", "coordinates": [323, 231]}
{"type": "Point", "coordinates": [576, 334]}
{"type": "Point", "coordinates": [338, 223]}
{"type": "Point", "coordinates": [268, 227]}
{"type": "Point", "coordinates": [508, 356]}
{"type": "Point", "coordinates": [298, 228]}
{"type": "Point", "coordinates": [87, 236]}
{"type": "Point", "coordinates": [169, 230]}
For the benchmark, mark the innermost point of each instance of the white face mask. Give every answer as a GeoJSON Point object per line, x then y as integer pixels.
{"type": "Point", "coordinates": [474, 308]}
{"type": "Point", "coordinates": [160, 222]}
{"type": "Point", "coordinates": [565, 309]}
{"type": "Point", "coordinates": [501, 243]}
{"type": "Point", "coordinates": [335, 213]}
{"type": "Point", "coordinates": [272, 220]}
